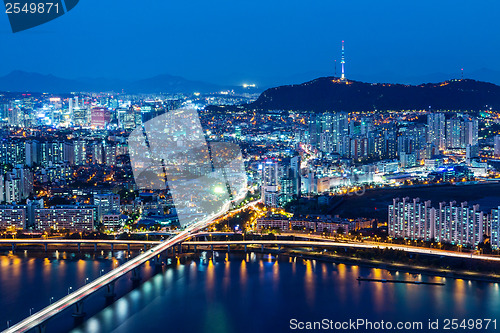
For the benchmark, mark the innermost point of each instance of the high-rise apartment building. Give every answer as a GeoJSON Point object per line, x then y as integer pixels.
{"type": "Point", "coordinates": [270, 183]}
{"type": "Point", "coordinates": [497, 146]}
{"type": "Point", "coordinates": [436, 130]}
{"type": "Point", "coordinates": [451, 223]}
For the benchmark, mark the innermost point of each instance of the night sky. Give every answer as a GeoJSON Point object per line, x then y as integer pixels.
{"type": "Point", "coordinates": [262, 41]}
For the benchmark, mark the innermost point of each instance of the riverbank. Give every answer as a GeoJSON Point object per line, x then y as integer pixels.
{"type": "Point", "coordinates": [4, 247]}
{"type": "Point", "coordinates": [445, 273]}
{"type": "Point", "coordinates": [390, 260]}
{"type": "Point", "coordinates": [412, 268]}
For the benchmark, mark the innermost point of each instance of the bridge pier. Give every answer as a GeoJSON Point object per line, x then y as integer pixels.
{"type": "Point", "coordinates": [79, 246]}
{"type": "Point", "coordinates": [145, 247]}
{"type": "Point", "coordinates": [212, 247]}
{"type": "Point", "coordinates": [45, 246]}
{"type": "Point", "coordinates": [158, 262]}
{"type": "Point", "coordinates": [245, 248]}
{"type": "Point", "coordinates": [128, 247]}
{"type": "Point", "coordinates": [262, 248]}
{"type": "Point", "coordinates": [95, 247]}
{"type": "Point", "coordinates": [228, 248]}
{"type": "Point", "coordinates": [40, 328]}
{"type": "Point", "coordinates": [179, 247]}
{"type": "Point", "coordinates": [136, 274]}
{"type": "Point", "coordinates": [78, 313]}
{"type": "Point", "coordinates": [112, 247]}
{"type": "Point", "coordinates": [110, 290]}
{"type": "Point", "coordinates": [13, 247]}
{"type": "Point", "coordinates": [194, 248]}
{"type": "Point", "coordinates": [279, 247]}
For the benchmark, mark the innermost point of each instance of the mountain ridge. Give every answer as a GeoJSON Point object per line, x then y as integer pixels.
{"type": "Point", "coordinates": [22, 81]}
{"type": "Point", "coordinates": [334, 94]}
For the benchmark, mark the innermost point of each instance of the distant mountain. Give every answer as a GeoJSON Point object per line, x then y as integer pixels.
{"type": "Point", "coordinates": [333, 94]}
{"type": "Point", "coordinates": [19, 81]}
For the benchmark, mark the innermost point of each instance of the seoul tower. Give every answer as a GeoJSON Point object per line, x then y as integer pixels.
{"type": "Point", "coordinates": [343, 62]}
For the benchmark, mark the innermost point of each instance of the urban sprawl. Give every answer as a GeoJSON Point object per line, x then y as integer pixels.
{"type": "Point", "coordinates": [65, 166]}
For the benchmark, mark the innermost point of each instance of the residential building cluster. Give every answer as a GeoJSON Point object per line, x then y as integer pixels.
{"type": "Point", "coordinates": [375, 137]}
{"type": "Point", "coordinates": [448, 222]}
{"type": "Point", "coordinates": [35, 216]}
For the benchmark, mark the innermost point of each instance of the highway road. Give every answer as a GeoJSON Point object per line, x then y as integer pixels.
{"type": "Point", "coordinates": [75, 241]}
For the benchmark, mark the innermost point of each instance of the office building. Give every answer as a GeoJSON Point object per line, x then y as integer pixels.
{"type": "Point", "coordinates": [108, 203]}
{"type": "Point", "coordinates": [99, 117]}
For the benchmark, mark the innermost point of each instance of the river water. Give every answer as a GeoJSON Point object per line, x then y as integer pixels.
{"type": "Point", "coordinates": [244, 293]}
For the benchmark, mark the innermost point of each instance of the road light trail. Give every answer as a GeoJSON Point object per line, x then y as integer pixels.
{"type": "Point", "coordinates": [326, 243]}
{"type": "Point", "coordinates": [76, 241]}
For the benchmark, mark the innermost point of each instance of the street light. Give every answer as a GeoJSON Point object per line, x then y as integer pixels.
{"type": "Point", "coordinates": [31, 310]}
{"type": "Point", "coordinates": [102, 271]}
{"type": "Point", "coordinates": [86, 280]}
{"type": "Point", "coordinates": [69, 289]}
{"type": "Point", "coordinates": [50, 300]}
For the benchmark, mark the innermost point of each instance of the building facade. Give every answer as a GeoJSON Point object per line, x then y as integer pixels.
{"type": "Point", "coordinates": [73, 218]}
{"type": "Point", "coordinates": [449, 223]}
{"type": "Point", "coordinates": [12, 217]}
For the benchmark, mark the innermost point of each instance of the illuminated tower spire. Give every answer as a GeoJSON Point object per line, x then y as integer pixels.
{"type": "Point", "coordinates": [343, 62]}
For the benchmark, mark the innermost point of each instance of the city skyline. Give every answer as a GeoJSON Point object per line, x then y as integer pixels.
{"type": "Point", "coordinates": [249, 166]}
